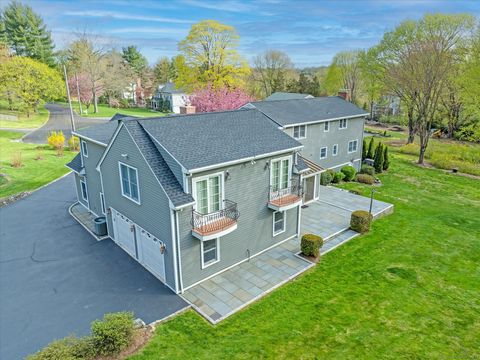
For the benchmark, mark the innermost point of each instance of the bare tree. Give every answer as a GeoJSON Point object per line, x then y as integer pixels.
{"type": "Point", "coordinates": [348, 64]}
{"type": "Point", "coordinates": [271, 70]}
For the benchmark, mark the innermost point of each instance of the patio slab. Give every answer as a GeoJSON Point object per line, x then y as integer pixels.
{"type": "Point", "coordinates": [233, 289]}
{"type": "Point", "coordinates": [85, 218]}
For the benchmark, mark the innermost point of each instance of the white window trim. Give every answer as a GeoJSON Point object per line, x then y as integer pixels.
{"type": "Point", "coordinates": [218, 254]}
{"type": "Point", "coordinates": [102, 204]}
{"type": "Point", "coordinates": [348, 146]}
{"type": "Point", "coordinates": [328, 126]}
{"type": "Point", "coordinates": [83, 181]}
{"type": "Point", "coordinates": [340, 123]}
{"type": "Point", "coordinates": [121, 182]}
{"type": "Point", "coordinates": [335, 146]}
{"type": "Point", "coordinates": [290, 164]}
{"type": "Point", "coordinates": [326, 152]}
{"type": "Point", "coordinates": [300, 137]}
{"type": "Point", "coordinates": [84, 148]}
{"type": "Point", "coordinates": [284, 223]}
{"type": "Point", "coordinates": [204, 177]}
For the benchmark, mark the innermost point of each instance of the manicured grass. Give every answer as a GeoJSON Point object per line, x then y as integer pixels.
{"type": "Point", "coordinates": [23, 122]}
{"type": "Point", "coordinates": [33, 173]}
{"type": "Point", "coordinates": [106, 111]}
{"type": "Point", "coordinates": [407, 290]}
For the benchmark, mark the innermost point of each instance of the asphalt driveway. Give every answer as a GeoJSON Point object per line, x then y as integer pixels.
{"type": "Point", "coordinates": [59, 120]}
{"type": "Point", "coordinates": [55, 278]}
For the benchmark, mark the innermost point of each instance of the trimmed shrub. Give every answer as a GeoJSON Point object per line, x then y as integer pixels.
{"type": "Point", "coordinates": [349, 172]}
{"type": "Point", "coordinates": [367, 169]}
{"type": "Point", "coordinates": [339, 176]}
{"type": "Point", "coordinates": [311, 244]}
{"type": "Point", "coordinates": [326, 178]}
{"type": "Point", "coordinates": [360, 221]}
{"type": "Point", "coordinates": [112, 334]}
{"type": "Point", "coordinates": [386, 162]}
{"type": "Point", "coordinates": [378, 160]}
{"type": "Point", "coordinates": [59, 349]}
{"type": "Point", "coordinates": [370, 148]}
{"type": "Point", "coordinates": [365, 179]}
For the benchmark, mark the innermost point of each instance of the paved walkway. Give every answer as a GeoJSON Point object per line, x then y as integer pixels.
{"type": "Point", "coordinates": [235, 288]}
{"type": "Point", "coordinates": [59, 120]}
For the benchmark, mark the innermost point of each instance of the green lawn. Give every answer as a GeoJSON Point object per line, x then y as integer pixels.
{"type": "Point", "coordinates": [33, 173]}
{"type": "Point", "coordinates": [106, 111]}
{"type": "Point", "coordinates": [407, 290]}
{"type": "Point", "coordinates": [23, 121]}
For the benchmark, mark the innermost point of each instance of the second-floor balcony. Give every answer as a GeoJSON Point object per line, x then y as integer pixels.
{"type": "Point", "coordinates": [286, 197]}
{"type": "Point", "coordinates": [217, 223]}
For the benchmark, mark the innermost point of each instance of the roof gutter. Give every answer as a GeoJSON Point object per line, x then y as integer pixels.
{"type": "Point", "coordinates": [322, 121]}
{"type": "Point", "coordinates": [89, 139]}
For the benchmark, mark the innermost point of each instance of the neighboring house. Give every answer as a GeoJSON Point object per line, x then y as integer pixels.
{"type": "Point", "coordinates": [287, 96]}
{"type": "Point", "coordinates": [188, 196]}
{"type": "Point", "coordinates": [170, 97]}
{"type": "Point", "coordinates": [330, 128]}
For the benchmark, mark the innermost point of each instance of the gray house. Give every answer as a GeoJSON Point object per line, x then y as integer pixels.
{"type": "Point", "coordinates": [189, 196]}
{"type": "Point", "coordinates": [329, 128]}
{"type": "Point", "coordinates": [169, 97]}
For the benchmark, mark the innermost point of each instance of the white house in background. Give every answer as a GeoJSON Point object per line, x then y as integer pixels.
{"type": "Point", "coordinates": [169, 93]}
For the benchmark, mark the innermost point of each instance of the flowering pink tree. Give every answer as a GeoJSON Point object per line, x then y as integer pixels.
{"type": "Point", "coordinates": [211, 99]}
{"type": "Point", "coordinates": [85, 88]}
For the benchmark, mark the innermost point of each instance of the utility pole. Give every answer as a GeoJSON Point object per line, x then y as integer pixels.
{"type": "Point", "coordinates": [69, 100]}
{"type": "Point", "coordinates": [78, 95]}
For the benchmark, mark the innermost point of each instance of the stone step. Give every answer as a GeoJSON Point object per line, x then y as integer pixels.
{"type": "Point", "coordinates": [337, 240]}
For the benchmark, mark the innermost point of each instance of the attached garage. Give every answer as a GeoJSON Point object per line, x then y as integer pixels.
{"type": "Point", "coordinates": [140, 244]}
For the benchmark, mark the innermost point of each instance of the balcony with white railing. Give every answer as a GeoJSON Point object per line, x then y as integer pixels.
{"type": "Point", "coordinates": [215, 224]}
{"type": "Point", "coordinates": [281, 199]}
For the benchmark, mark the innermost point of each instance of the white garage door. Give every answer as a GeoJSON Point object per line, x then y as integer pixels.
{"type": "Point", "coordinates": [150, 253]}
{"type": "Point", "coordinates": [124, 230]}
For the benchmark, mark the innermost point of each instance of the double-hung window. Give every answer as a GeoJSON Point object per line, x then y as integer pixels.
{"type": "Point", "coordinates": [342, 124]}
{"type": "Point", "coordinates": [280, 174]}
{"type": "Point", "coordinates": [352, 146]}
{"type": "Point", "coordinates": [208, 194]}
{"type": "Point", "coordinates": [129, 181]}
{"type": "Point", "coordinates": [210, 254]}
{"type": "Point", "coordinates": [326, 126]}
{"type": "Point", "coordinates": [83, 186]}
{"type": "Point", "coordinates": [278, 222]}
{"type": "Point", "coordinates": [300, 132]}
{"type": "Point", "coordinates": [335, 150]}
{"type": "Point", "coordinates": [84, 148]}
{"type": "Point", "coordinates": [323, 152]}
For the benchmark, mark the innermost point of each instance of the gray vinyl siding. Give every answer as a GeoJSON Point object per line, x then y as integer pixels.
{"type": "Point", "coordinates": [318, 138]}
{"type": "Point", "coordinates": [92, 176]}
{"type": "Point", "coordinates": [79, 190]}
{"type": "Point", "coordinates": [248, 186]}
{"type": "Point", "coordinates": [153, 213]}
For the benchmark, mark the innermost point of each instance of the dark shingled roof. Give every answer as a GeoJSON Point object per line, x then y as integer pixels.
{"type": "Point", "coordinates": [75, 164]}
{"type": "Point", "coordinates": [205, 139]}
{"type": "Point", "coordinates": [287, 96]}
{"type": "Point", "coordinates": [160, 168]}
{"type": "Point", "coordinates": [119, 116]}
{"type": "Point", "coordinates": [171, 88]}
{"type": "Point", "coordinates": [301, 165]}
{"type": "Point", "coordinates": [101, 132]}
{"type": "Point", "coordinates": [297, 111]}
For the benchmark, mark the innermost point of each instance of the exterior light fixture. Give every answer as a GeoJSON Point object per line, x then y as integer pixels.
{"type": "Point", "coordinates": [227, 175]}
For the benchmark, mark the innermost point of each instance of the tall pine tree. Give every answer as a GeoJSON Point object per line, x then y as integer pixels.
{"type": "Point", "coordinates": [370, 153]}
{"type": "Point", "coordinates": [386, 162]}
{"type": "Point", "coordinates": [25, 33]}
{"type": "Point", "coordinates": [378, 160]}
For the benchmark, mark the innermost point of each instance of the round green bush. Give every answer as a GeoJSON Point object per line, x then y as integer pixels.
{"type": "Point", "coordinates": [112, 334]}
{"type": "Point", "coordinates": [367, 169]}
{"type": "Point", "coordinates": [349, 172]}
{"type": "Point", "coordinates": [59, 349]}
{"type": "Point", "coordinates": [339, 176]}
{"type": "Point", "coordinates": [365, 179]}
{"type": "Point", "coordinates": [326, 178]}
{"type": "Point", "coordinates": [311, 244]}
{"type": "Point", "coordinates": [360, 221]}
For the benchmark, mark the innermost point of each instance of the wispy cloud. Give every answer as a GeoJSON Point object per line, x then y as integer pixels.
{"type": "Point", "coordinates": [125, 16]}
{"type": "Point", "coordinates": [232, 5]}
{"type": "Point", "coordinates": [149, 30]}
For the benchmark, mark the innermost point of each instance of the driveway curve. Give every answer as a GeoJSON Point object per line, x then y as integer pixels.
{"type": "Point", "coordinates": [55, 279]}
{"type": "Point", "coordinates": [59, 120]}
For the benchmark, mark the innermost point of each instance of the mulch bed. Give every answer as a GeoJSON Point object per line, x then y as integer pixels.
{"type": "Point", "coordinates": [315, 260]}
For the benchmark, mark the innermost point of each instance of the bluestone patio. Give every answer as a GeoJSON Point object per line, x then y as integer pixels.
{"type": "Point", "coordinates": [226, 293]}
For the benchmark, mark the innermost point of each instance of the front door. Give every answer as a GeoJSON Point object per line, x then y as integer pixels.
{"type": "Point", "coordinates": [208, 194]}
{"type": "Point", "coordinates": [309, 186]}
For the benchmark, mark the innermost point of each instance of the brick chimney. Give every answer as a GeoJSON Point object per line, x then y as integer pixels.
{"type": "Point", "coordinates": [344, 94]}
{"type": "Point", "coordinates": [187, 109]}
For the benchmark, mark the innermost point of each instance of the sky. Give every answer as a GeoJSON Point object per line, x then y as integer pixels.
{"type": "Point", "coordinates": [310, 32]}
